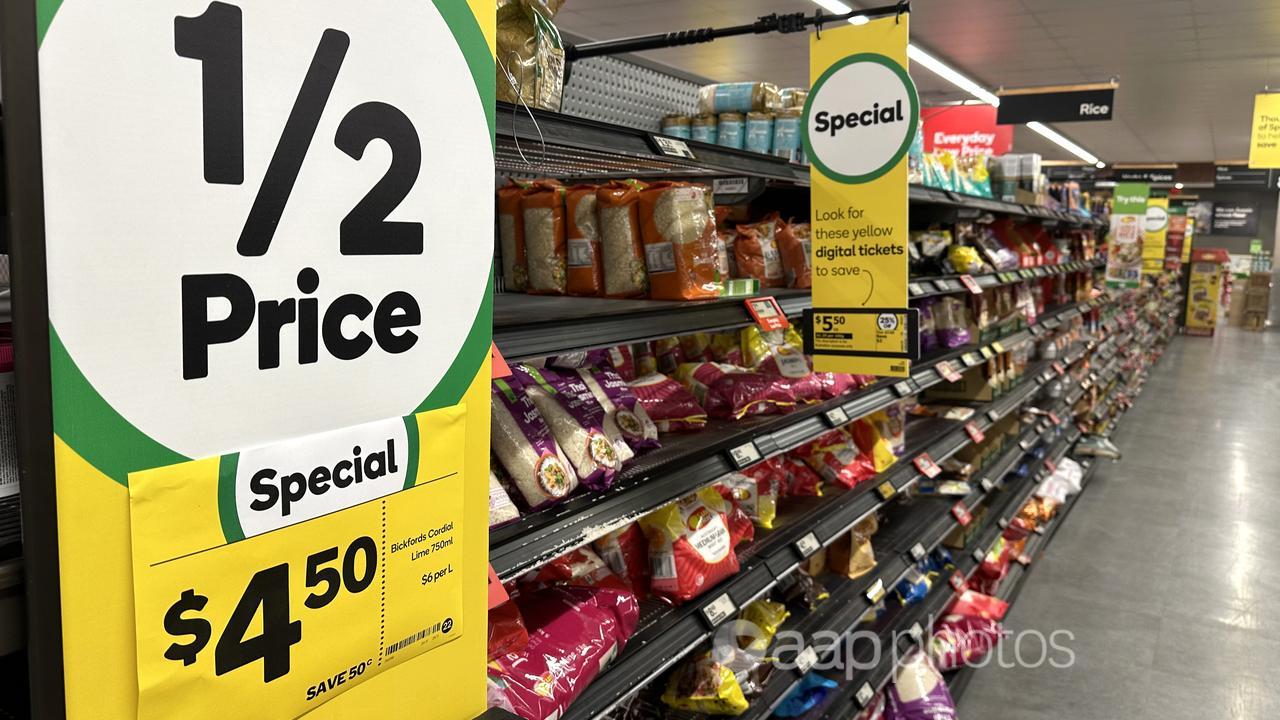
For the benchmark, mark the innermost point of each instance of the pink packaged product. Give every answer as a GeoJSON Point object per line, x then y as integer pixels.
{"type": "Point", "coordinates": [918, 692]}
{"type": "Point", "coordinates": [671, 407]}
{"type": "Point", "coordinates": [951, 327]}
{"type": "Point", "coordinates": [732, 393]}
{"type": "Point", "coordinates": [960, 640]}
{"type": "Point", "coordinates": [573, 634]}
{"type": "Point", "coordinates": [621, 407]}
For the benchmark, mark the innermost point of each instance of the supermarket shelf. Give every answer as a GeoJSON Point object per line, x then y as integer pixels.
{"type": "Point", "coordinates": [532, 326]}
{"type": "Point", "coordinates": [533, 143]}
{"type": "Point", "coordinates": [664, 639]}
{"type": "Point", "coordinates": [689, 462]}
{"type": "Point", "coordinates": [941, 285]}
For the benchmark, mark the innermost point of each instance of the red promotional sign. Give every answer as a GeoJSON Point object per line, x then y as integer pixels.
{"type": "Point", "coordinates": [965, 130]}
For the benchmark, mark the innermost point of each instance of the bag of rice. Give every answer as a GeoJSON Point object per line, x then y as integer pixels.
{"type": "Point", "coordinates": [732, 393]}
{"type": "Point", "coordinates": [690, 545]}
{"type": "Point", "coordinates": [668, 403]}
{"type": "Point", "coordinates": [621, 408]}
{"type": "Point", "coordinates": [678, 233]}
{"type": "Point", "coordinates": [501, 509]}
{"type": "Point", "coordinates": [622, 360]}
{"type": "Point", "coordinates": [738, 97]}
{"type": "Point", "coordinates": [837, 459]}
{"type": "Point", "coordinates": [526, 448]}
{"type": "Point", "coordinates": [918, 692]}
{"type": "Point", "coordinates": [775, 352]}
{"type": "Point", "coordinates": [668, 354]}
{"type": "Point", "coordinates": [530, 53]}
{"type": "Point", "coordinates": [756, 251]}
{"type": "Point", "coordinates": [543, 208]}
{"type": "Point", "coordinates": [622, 252]}
{"type": "Point", "coordinates": [582, 238]}
{"type": "Point", "coordinates": [727, 348]}
{"type": "Point", "coordinates": [515, 269]}
{"type": "Point", "coordinates": [646, 360]}
{"type": "Point", "coordinates": [696, 347]}
{"type": "Point", "coordinates": [801, 480]}
{"type": "Point", "coordinates": [757, 497]}
{"type": "Point", "coordinates": [578, 423]}
{"type": "Point", "coordinates": [795, 248]}
{"type": "Point", "coordinates": [626, 552]}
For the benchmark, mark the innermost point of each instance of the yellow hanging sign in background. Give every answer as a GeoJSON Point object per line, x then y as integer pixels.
{"type": "Point", "coordinates": [1264, 136]}
{"type": "Point", "coordinates": [860, 119]}
{"type": "Point", "coordinates": [1155, 231]}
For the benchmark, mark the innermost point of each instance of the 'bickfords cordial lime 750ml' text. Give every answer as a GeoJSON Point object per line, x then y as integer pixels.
{"type": "Point", "coordinates": [875, 115]}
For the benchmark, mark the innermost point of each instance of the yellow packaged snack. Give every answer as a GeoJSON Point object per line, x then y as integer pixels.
{"type": "Point", "coordinates": [705, 686]}
{"type": "Point", "coordinates": [768, 617]}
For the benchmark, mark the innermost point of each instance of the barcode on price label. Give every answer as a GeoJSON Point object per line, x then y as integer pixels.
{"type": "Point", "coordinates": [730, 186]}
{"type": "Point", "coordinates": [1039, 529]}
{"type": "Point", "coordinates": [886, 490]}
{"type": "Point", "coordinates": [865, 695]}
{"type": "Point", "coordinates": [719, 610]}
{"type": "Point", "coordinates": [958, 582]}
{"type": "Point", "coordinates": [903, 388]}
{"type": "Point", "coordinates": [808, 545]}
{"type": "Point", "coordinates": [917, 632]}
{"type": "Point", "coordinates": [948, 372]}
{"type": "Point", "coordinates": [837, 417]}
{"type": "Point", "coordinates": [970, 359]}
{"type": "Point", "coordinates": [987, 485]}
{"type": "Point", "coordinates": [978, 556]}
{"type": "Point", "coordinates": [917, 552]}
{"type": "Point", "coordinates": [993, 415]}
{"type": "Point", "coordinates": [745, 455]}
{"type": "Point", "coordinates": [915, 289]}
{"type": "Point", "coordinates": [975, 434]}
{"type": "Point", "coordinates": [806, 659]}
{"type": "Point", "coordinates": [1002, 523]}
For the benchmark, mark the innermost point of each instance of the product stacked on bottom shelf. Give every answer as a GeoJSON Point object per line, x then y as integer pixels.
{"type": "Point", "coordinates": [844, 526]}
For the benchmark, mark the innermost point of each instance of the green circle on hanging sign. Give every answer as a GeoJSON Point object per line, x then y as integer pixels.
{"type": "Point", "coordinates": [860, 118]}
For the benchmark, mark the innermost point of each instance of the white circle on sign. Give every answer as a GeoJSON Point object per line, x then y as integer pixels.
{"type": "Point", "coordinates": [1157, 218]}
{"type": "Point", "coordinates": [129, 213]}
{"type": "Point", "coordinates": [887, 322]}
{"type": "Point", "coordinates": [860, 118]}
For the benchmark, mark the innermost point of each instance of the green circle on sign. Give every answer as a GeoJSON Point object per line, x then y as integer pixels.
{"type": "Point", "coordinates": [912, 128]}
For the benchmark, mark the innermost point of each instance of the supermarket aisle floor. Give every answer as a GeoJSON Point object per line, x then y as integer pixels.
{"type": "Point", "coordinates": [1165, 572]}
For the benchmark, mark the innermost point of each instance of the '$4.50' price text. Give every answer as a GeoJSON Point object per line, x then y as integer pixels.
{"type": "Point", "coordinates": [268, 589]}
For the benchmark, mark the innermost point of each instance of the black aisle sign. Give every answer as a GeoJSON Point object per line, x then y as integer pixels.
{"type": "Point", "coordinates": [1239, 219]}
{"type": "Point", "coordinates": [1066, 105]}
{"type": "Point", "coordinates": [1231, 176]}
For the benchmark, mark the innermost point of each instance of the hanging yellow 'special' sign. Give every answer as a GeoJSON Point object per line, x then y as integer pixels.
{"type": "Point", "coordinates": [1264, 138]}
{"type": "Point", "coordinates": [1155, 230]}
{"type": "Point", "coordinates": [860, 118]}
{"type": "Point", "coordinates": [269, 354]}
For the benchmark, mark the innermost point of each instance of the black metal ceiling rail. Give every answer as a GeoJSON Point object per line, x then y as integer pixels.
{"type": "Point", "coordinates": [784, 23]}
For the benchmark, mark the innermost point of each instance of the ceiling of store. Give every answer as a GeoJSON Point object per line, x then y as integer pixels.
{"type": "Point", "coordinates": [1188, 69]}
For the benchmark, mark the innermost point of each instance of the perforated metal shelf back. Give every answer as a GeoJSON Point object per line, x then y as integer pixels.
{"type": "Point", "coordinates": [615, 91]}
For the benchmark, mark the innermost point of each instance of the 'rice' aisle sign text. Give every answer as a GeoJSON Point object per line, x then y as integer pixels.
{"type": "Point", "coordinates": [268, 448]}
{"type": "Point", "coordinates": [860, 119]}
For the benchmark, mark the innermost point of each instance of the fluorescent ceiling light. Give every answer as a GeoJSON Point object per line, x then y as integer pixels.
{"type": "Point", "coordinates": [834, 6]}
{"type": "Point", "coordinates": [1099, 164]}
{"type": "Point", "coordinates": [951, 75]}
{"type": "Point", "coordinates": [1058, 138]}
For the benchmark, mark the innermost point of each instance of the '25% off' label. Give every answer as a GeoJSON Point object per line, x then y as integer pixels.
{"type": "Point", "coordinates": [285, 575]}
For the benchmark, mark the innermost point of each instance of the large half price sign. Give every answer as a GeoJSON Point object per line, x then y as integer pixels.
{"type": "Point", "coordinates": [260, 409]}
{"type": "Point", "coordinates": [860, 120]}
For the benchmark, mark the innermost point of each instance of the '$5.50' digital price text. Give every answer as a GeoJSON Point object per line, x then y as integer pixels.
{"type": "Point", "coordinates": [327, 571]}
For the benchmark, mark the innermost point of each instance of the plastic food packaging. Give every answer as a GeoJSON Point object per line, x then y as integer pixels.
{"type": "Point", "coordinates": [646, 361]}
{"type": "Point", "coordinates": [622, 252]}
{"type": "Point", "coordinates": [786, 133]}
{"type": "Point", "coordinates": [733, 393]}
{"type": "Point", "coordinates": [759, 128]}
{"type": "Point", "coordinates": [972, 603]}
{"type": "Point", "coordinates": [869, 440]}
{"type": "Point", "coordinates": [950, 326]}
{"type": "Point", "coordinates": [914, 587]}
{"type": "Point", "coordinates": [580, 567]}
{"type": "Point", "coordinates": [960, 640]}
{"type": "Point", "coordinates": [678, 231]}
{"type": "Point", "coordinates": [703, 128]}
{"type": "Point", "coordinates": [965, 260]}
{"type": "Point", "coordinates": [775, 352]}
{"type": "Point", "coordinates": [755, 250]}
{"type": "Point", "coordinates": [794, 97]}
{"type": "Point", "coordinates": [669, 354]}
{"type": "Point", "coordinates": [696, 347]}
{"type": "Point", "coordinates": [795, 247]}
{"type": "Point", "coordinates": [756, 496]}
{"type": "Point", "coordinates": [731, 130]}
{"type": "Point", "coordinates": [573, 634]}
{"type": "Point", "coordinates": [530, 53]}
{"type": "Point", "coordinates": [852, 555]}
{"type": "Point", "coordinates": [621, 408]}
{"type": "Point", "coordinates": [582, 242]}
{"type": "Point", "coordinates": [726, 348]}
{"type": "Point", "coordinates": [526, 448]}
{"type": "Point", "coordinates": [544, 237]}
{"type": "Point", "coordinates": [918, 692]}
{"type": "Point", "coordinates": [626, 552]}
{"type": "Point", "coordinates": [739, 97]}
{"type": "Point", "coordinates": [671, 407]}
{"type": "Point", "coordinates": [501, 509]}
{"type": "Point", "coordinates": [507, 633]}
{"type": "Point", "coordinates": [578, 423]}
{"type": "Point", "coordinates": [705, 686]}
{"type": "Point", "coordinates": [677, 126]}
{"type": "Point", "coordinates": [767, 616]}
{"type": "Point", "coordinates": [928, 326]}
{"type": "Point", "coordinates": [892, 424]}
{"type": "Point", "coordinates": [836, 457]}
{"type": "Point", "coordinates": [623, 361]}
{"type": "Point", "coordinates": [809, 693]}
{"type": "Point", "coordinates": [801, 480]}
{"type": "Point", "coordinates": [691, 545]}
{"type": "Point", "coordinates": [515, 269]}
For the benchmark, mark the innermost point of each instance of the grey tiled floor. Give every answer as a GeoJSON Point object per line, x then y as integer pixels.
{"type": "Point", "coordinates": [1167, 572]}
